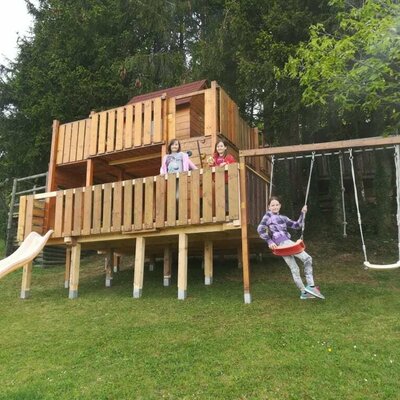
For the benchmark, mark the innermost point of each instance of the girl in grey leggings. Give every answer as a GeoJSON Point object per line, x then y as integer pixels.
{"type": "Point", "coordinates": [273, 228]}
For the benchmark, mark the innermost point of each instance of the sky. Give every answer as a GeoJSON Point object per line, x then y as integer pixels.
{"type": "Point", "coordinates": [14, 20]}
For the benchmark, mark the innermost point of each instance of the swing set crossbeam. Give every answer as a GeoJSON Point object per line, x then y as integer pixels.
{"type": "Point", "coordinates": [321, 147]}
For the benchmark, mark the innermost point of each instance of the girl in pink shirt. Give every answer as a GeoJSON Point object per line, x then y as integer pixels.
{"type": "Point", "coordinates": [176, 160]}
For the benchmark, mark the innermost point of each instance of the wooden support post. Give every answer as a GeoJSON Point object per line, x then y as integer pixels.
{"type": "Point", "coordinates": [139, 267]}
{"type": "Point", "coordinates": [208, 262]}
{"type": "Point", "coordinates": [116, 262]}
{"type": "Point", "coordinates": [244, 224]}
{"type": "Point", "coordinates": [67, 267]}
{"type": "Point", "coordinates": [167, 265]}
{"type": "Point", "coordinates": [51, 184]}
{"type": "Point", "coordinates": [89, 172]}
{"type": "Point", "coordinates": [26, 281]}
{"type": "Point", "coordinates": [108, 267]}
{"type": "Point", "coordinates": [75, 266]}
{"type": "Point", "coordinates": [152, 263]}
{"type": "Point", "coordinates": [182, 266]}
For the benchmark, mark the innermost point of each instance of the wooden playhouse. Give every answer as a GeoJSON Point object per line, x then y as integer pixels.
{"type": "Point", "coordinates": [104, 191]}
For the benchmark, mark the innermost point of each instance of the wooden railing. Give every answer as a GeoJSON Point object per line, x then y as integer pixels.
{"type": "Point", "coordinates": [157, 202]}
{"type": "Point", "coordinates": [133, 125]}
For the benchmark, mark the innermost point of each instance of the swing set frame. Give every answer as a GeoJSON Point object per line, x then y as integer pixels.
{"type": "Point", "coordinates": [338, 148]}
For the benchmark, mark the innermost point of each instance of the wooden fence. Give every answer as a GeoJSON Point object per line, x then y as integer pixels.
{"type": "Point", "coordinates": [151, 203]}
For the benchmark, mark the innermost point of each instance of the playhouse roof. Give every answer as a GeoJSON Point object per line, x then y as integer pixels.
{"type": "Point", "coordinates": [172, 92]}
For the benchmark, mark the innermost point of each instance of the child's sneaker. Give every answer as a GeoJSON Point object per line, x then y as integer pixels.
{"type": "Point", "coordinates": [314, 291]}
{"type": "Point", "coordinates": [305, 296]}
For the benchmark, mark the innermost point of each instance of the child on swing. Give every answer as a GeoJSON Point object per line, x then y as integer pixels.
{"type": "Point", "coordinates": [273, 229]}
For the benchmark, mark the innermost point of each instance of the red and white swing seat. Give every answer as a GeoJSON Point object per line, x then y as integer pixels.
{"type": "Point", "coordinates": [290, 249]}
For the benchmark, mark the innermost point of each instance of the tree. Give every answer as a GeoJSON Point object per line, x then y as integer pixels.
{"type": "Point", "coordinates": [356, 66]}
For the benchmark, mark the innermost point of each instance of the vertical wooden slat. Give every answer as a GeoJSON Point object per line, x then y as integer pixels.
{"type": "Point", "coordinates": [128, 126]}
{"type": "Point", "coordinates": [60, 147]}
{"type": "Point", "coordinates": [21, 219]}
{"type": "Point", "coordinates": [171, 118]}
{"type": "Point", "coordinates": [171, 200]}
{"type": "Point", "coordinates": [87, 210]}
{"type": "Point", "coordinates": [161, 201]}
{"type": "Point", "coordinates": [107, 198]}
{"type": "Point", "coordinates": [86, 146]}
{"type": "Point", "coordinates": [137, 139]}
{"type": "Point", "coordinates": [59, 214]}
{"type": "Point", "coordinates": [97, 203]}
{"type": "Point", "coordinates": [127, 219]}
{"type": "Point", "coordinates": [147, 122]}
{"type": "Point", "coordinates": [157, 125]}
{"type": "Point", "coordinates": [74, 140]}
{"type": "Point", "coordinates": [68, 212]}
{"type": "Point", "coordinates": [29, 215]}
{"type": "Point", "coordinates": [149, 203]}
{"type": "Point", "coordinates": [81, 140]}
{"type": "Point", "coordinates": [111, 131]}
{"type": "Point", "coordinates": [120, 129]}
{"type": "Point", "coordinates": [210, 107]}
{"type": "Point", "coordinates": [138, 211]}
{"type": "Point", "coordinates": [195, 197]}
{"type": "Point", "coordinates": [207, 196]}
{"type": "Point", "coordinates": [102, 133]}
{"type": "Point", "coordinates": [233, 191]}
{"type": "Point", "coordinates": [220, 194]}
{"type": "Point", "coordinates": [117, 207]}
{"type": "Point", "coordinates": [94, 123]}
{"type": "Point", "coordinates": [183, 199]}
{"type": "Point", "coordinates": [67, 143]}
{"type": "Point", "coordinates": [78, 205]}
{"type": "Point", "coordinates": [224, 113]}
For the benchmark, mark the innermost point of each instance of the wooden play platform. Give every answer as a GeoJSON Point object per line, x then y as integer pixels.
{"type": "Point", "coordinates": [104, 191]}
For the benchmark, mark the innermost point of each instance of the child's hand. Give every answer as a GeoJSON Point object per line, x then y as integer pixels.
{"type": "Point", "coordinates": [304, 209]}
{"type": "Point", "coordinates": [210, 161]}
{"type": "Point", "coordinates": [272, 246]}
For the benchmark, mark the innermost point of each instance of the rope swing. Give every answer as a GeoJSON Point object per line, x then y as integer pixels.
{"type": "Point", "coordinates": [367, 264]}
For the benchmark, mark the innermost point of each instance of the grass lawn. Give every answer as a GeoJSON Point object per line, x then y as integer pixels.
{"type": "Point", "coordinates": [107, 345]}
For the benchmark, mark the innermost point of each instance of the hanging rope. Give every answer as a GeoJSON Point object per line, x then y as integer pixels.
{"type": "Point", "coordinates": [342, 191]}
{"type": "Point", "coordinates": [353, 175]}
{"type": "Point", "coordinates": [308, 191]}
{"type": "Point", "coordinates": [397, 164]}
{"type": "Point", "coordinates": [271, 176]}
